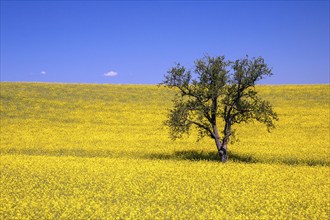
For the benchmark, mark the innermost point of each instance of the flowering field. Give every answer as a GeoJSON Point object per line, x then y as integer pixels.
{"type": "Point", "coordinates": [72, 151]}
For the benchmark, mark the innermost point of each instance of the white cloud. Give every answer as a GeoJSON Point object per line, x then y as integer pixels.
{"type": "Point", "coordinates": [43, 72]}
{"type": "Point", "coordinates": [111, 73]}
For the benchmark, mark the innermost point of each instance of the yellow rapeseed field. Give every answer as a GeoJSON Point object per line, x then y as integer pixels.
{"type": "Point", "coordinates": [71, 151]}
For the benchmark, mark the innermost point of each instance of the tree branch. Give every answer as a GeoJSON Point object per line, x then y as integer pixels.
{"type": "Point", "coordinates": [203, 127]}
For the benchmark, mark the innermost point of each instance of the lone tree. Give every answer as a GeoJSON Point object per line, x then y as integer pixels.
{"type": "Point", "coordinates": [217, 90]}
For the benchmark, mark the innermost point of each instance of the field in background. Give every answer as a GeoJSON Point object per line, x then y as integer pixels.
{"type": "Point", "coordinates": [101, 151]}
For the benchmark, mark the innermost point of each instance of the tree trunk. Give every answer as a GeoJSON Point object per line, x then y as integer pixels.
{"type": "Point", "coordinates": [222, 149]}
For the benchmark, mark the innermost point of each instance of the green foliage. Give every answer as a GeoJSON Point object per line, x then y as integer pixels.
{"type": "Point", "coordinates": [217, 90]}
{"type": "Point", "coordinates": [193, 103]}
{"type": "Point", "coordinates": [241, 102]}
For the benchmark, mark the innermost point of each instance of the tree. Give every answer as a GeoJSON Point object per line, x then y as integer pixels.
{"type": "Point", "coordinates": [217, 92]}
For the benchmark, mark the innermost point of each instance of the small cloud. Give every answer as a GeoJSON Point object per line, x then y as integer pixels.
{"type": "Point", "coordinates": [111, 73]}
{"type": "Point", "coordinates": [43, 72]}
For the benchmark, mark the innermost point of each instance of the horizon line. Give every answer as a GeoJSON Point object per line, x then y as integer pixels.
{"type": "Point", "coordinates": [151, 84]}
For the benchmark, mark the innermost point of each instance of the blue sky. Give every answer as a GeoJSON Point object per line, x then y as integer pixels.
{"type": "Point", "coordinates": [137, 42]}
